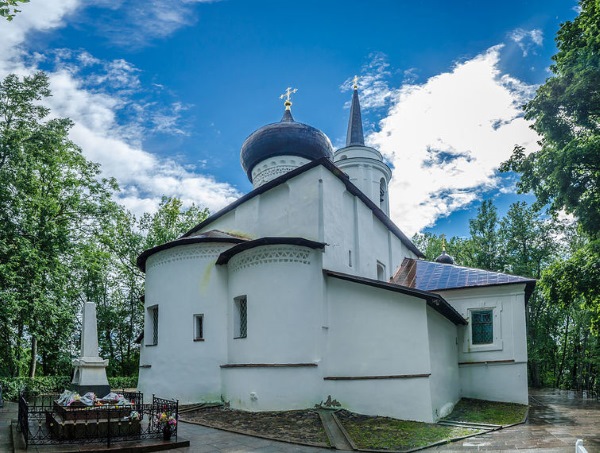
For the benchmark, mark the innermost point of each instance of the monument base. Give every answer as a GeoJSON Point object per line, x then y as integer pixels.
{"type": "Point", "coordinates": [99, 390]}
{"type": "Point", "coordinates": [90, 376]}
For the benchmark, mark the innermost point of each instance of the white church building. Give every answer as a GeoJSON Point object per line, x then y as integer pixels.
{"type": "Point", "coordinates": [304, 289]}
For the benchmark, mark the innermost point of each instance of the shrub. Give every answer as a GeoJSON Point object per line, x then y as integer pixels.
{"type": "Point", "coordinates": [11, 387]}
{"type": "Point", "coordinates": [34, 386]}
{"type": "Point", "coordinates": [123, 382]}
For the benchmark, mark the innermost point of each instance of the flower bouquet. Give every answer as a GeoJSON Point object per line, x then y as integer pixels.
{"type": "Point", "coordinates": [166, 422]}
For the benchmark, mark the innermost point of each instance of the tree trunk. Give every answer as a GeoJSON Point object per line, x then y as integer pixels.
{"type": "Point", "coordinates": [534, 373]}
{"type": "Point", "coordinates": [33, 362]}
{"type": "Point", "coordinates": [564, 353]}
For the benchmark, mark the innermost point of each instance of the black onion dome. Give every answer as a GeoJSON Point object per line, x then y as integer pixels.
{"type": "Point", "coordinates": [444, 258]}
{"type": "Point", "coordinates": [286, 138]}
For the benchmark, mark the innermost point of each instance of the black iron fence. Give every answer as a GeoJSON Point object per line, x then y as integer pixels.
{"type": "Point", "coordinates": [44, 422]}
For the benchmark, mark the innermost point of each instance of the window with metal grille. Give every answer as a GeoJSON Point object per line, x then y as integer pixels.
{"type": "Point", "coordinates": [482, 327]}
{"type": "Point", "coordinates": [153, 320]}
{"type": "Point", "coordinates": [240, 317]}
{"type": "Point", "coordinates": [198, 327]}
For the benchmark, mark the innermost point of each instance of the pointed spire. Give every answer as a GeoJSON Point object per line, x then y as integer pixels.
{"type": "Point", "coordinates": [287, 116]}
{"type": "Point", "coordinates": [355, 130]}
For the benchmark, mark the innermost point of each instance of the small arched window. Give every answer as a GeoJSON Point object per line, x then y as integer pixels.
{"type": "Point", "coordinates": [381, 271]}
{"type": "Point", "coordinates": [382, 193]}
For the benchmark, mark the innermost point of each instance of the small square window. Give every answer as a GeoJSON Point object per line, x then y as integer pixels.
{"type": "Point", "coordinates": [482, 327]}
{"type": "Point", "coordinates": [198, 327]}
{"type": "Point", "coordinates": [240, 317]}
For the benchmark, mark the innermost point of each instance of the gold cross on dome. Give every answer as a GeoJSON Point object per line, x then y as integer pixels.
{"type": "Point", "coordinates": [288, 96]}
{"type": "Point", "coordinates": [355, 80]}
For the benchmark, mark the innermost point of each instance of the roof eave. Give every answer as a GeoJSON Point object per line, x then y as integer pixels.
{"type": "Point", "coordinates": [302, 242]}
{"type": "Point", "coordinates": [143, 257]}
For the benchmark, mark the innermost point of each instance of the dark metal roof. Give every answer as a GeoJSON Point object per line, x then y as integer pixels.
{"type": "Point", "coordinates": [435, 301]}
{"type": "Point", "coordinates": [208, 236]}
{"type": "Point", "coordinates": [355, 128]}
{"type": "Point", "coordinates": [325, 162]}
{"type": "Point", "coordinates": [230, 253]}
{"type": "Point", "coordinates": [431, 276]}
{"type": "Point", "coordinates": [284, 138]}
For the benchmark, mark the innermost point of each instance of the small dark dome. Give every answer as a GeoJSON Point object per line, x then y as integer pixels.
{"type": "Point", "coordinates": [444, 258]}
{"type": "Point", "coordinates": [286, 138]}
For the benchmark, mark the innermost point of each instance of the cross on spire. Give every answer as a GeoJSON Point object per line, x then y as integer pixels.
{"type": "Point", "coordinates": [355, 80]}
{"type": "Point", "coordinates": [288, 96]}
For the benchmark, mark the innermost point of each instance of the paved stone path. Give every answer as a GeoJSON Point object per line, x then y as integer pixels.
{"type": "Point", "coordinates": [556, 420]}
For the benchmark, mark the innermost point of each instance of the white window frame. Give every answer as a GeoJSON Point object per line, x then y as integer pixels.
{"type": "Point", "coordinates": [198, 327]}
{"type": "Point", "coordinates": [240, 322]}
{"type": "Point", "coordinates": [152, 325]}
{"type": "Point", "coordinates": [497, 344]}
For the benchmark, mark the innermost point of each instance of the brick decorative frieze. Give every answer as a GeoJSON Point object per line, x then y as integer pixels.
{"type": "Point", "coordinates": [270, 254]}
{"type": "Point", "coordinates": [185, 253]}
{"type": "Point", "coordinates": [270, 169]}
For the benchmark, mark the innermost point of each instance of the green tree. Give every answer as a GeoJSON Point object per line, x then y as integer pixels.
{"type": "Point", "coordinates": [51, 198]}
{"type": "Point", "coordinates": [170, 221]}
{"type": "Point", "coordinates": [114, 282]}
{"type": "Point", "coordinates": [432, 245]}
{"type": "Point", "coordinates": [8, 8]}
{"type": "Point", "coordinates": [565, 172]}
{"type": "Point", "coordinates": [527, 241]}
{"type": "Point", "coordinates": [483, 247]}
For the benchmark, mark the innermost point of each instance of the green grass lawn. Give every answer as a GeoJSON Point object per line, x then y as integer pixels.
{"type": "Point", "coordinates": [383, 433]}
{"type": "Point", "coordinates": [490, 412]}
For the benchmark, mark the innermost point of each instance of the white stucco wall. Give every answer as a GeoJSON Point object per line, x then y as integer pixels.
{"type": "Point", "coordinates": [497, 371]}
{"type": "Point", "coordinates": [351, 228]}
{"type": "Point", "coordinates": [373, 332]}
{"type": "Point", "coordinates": [443, 354]}
{"type": "Point", "coordinates": [183, 281]}
{"type": "Point", "coordinates": [316, 205]}
{"type": "Point", "coordinates": [283, 286]}
{"type": "Point", "coordinates": [271, 389]}
{"type": "Point", "coordinates": [366, 169]}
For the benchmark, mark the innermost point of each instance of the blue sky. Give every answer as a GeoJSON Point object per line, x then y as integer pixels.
{"type": "Point", "coordinates": [164, 92]}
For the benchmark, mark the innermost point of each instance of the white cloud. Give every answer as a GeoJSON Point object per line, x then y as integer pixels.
{"type": "Point", "coordinates": [372, 83]}
{"type": "Point", "coordinates": [527, 40]}
{"type": "Point", "coordinates": [144, 178]}
{"type": "Point", "coordinates": [446, 138]}
{"type": "Point", "coordinates": [141, 21]}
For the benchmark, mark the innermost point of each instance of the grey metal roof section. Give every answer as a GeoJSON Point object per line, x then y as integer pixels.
{"type": "Point", "coordinates": [431, 276]}
{"type": "Point", "coordinates": [435, 301]}
{"type": "Point", "coordinates": [355, 134]}
{"type": "Point", "coordinates": [325, 162]}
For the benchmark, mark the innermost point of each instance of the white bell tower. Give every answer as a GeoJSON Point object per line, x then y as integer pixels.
{"type": "Point", "coordinates": [363, 164]}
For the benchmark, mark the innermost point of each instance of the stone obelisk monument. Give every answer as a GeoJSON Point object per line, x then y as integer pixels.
{"type": "Point", "coordinates": [90, 368]}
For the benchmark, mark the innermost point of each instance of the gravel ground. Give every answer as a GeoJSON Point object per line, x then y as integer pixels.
{"type": "Point", "coordinates": [302, 426]}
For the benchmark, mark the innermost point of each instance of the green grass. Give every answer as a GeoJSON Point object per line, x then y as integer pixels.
{"type": "Point", "coordinates": [490, 412]}
{"type": "Point", "coordinates": [383, 433]}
